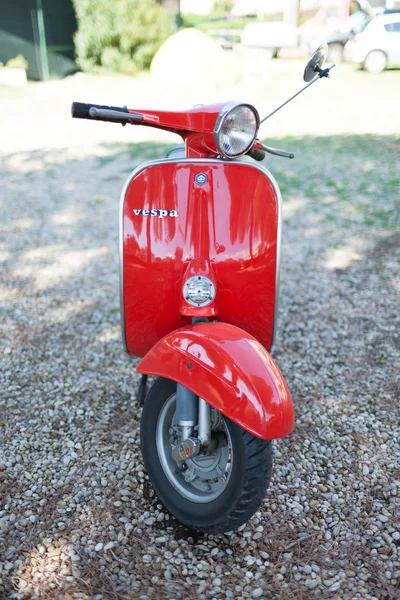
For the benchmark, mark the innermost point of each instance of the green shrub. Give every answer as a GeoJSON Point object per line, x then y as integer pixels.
{"type": "Point", "coordinates": [222, 8]}
{"type": "Point", "coordinates": [19, 62]}
{"type": "Point", "coordinates": [122, 35]}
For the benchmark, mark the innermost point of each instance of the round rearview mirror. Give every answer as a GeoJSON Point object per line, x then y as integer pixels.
{"type": "Point", "coordinates": [315, 62]}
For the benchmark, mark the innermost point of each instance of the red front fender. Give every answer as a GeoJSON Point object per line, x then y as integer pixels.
{"type": "Point", "coordinates": [231, 370]}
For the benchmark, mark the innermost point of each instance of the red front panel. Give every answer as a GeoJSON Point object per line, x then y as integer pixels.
{"type": "Point", "coordinates": [225, 227]}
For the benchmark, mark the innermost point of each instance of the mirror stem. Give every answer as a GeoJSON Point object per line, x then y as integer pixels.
{"type": "Point", "coordinates": [321, 73]}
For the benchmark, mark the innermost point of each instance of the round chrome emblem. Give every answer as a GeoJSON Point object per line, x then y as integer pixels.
{"type": "Point", "coordinates": [199, 291]}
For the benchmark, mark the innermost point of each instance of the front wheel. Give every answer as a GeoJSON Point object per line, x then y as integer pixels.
{"type": "Point", "coordinates": [211, 493]}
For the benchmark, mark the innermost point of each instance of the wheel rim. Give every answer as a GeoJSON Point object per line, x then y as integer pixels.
{"type": "Point", "coordinates": [208, 474]}
{"type": "Point", "coordinates": [375, 62]}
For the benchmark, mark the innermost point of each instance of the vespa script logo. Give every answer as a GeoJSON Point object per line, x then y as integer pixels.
{"type": "Point", "coordinates": [155, 212]}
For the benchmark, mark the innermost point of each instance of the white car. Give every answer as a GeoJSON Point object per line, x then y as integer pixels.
{"type": "Point", "coordinates": [378, 45]}
{"type": "Point", "coordinates": [271, 36]}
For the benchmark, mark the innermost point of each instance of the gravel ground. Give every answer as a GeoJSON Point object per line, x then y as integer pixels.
{"type": "Point", "coordinates": [78, 518]}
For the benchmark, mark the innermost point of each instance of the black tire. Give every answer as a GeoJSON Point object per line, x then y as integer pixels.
{"type": "Point", "coordinates": [245, 490]}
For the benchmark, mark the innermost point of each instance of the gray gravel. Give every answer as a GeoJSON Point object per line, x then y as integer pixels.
{"type": "Point", "coordinates": [78, 518]}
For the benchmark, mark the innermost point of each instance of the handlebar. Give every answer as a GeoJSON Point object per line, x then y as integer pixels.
{"type": "Point", "coordinates": [118, 114]}
{"type": "Point", "coordinates": [100, 112]}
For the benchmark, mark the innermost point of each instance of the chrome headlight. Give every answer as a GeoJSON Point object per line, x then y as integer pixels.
{"type": "Point", "coordinates": [236, 129]}
{"type": "Point", "coordinates": [199, 291]}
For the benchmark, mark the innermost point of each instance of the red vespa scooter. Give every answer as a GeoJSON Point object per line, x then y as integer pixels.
{"type": "Point", "coordinates": [200, 240]}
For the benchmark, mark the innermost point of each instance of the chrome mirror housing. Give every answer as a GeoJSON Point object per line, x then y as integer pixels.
{"type": "Point", "coordinates": [315, 63]}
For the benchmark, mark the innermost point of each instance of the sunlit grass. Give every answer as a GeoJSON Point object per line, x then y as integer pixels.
{"type": "Point", "coordinates": [351, 180]}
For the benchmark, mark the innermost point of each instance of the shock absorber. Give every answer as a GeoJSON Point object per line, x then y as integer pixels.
{"type": "Point", "coordinates": [186, 410]}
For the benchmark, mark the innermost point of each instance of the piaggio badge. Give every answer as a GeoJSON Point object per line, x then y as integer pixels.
{"type": "Point", "coordinates": [201, 179]}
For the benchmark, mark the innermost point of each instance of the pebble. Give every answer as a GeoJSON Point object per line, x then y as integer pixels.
{"type": "Point", "coordinates": [383, 518]}
{"type": "Point", "coordinates": [109, 545]}
{"type": "Point", "coordinates": [147, 558]}
{"type": "Point", "coordinates": [98, 547]}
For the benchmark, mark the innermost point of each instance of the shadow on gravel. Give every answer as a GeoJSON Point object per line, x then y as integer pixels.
{"type": "Point", "coordinates": [63, 372]}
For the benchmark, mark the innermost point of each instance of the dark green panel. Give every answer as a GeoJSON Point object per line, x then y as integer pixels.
{"type": "Point", "coordinates": [19, 34]}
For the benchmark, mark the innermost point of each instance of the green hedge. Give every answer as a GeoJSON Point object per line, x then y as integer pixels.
{"type": "Point", "coordinates": [119, 35]}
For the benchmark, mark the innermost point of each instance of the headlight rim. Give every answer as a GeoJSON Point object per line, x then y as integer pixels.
{"type": "Point", "coordinates": [220, 121]}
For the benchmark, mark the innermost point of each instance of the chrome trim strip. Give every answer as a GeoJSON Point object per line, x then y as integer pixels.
{"type": "Point", "coordinates": [121, 263]}
{"type": "Point", "coordinates": [274, 183]}
{"type": "Point", "coordinates": [152, 163]}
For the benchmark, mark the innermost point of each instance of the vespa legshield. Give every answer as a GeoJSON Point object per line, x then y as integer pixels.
{"type": "Point", "coordinates": [229, 369]}
{"type": "Point", "coordinates": [186, 217]}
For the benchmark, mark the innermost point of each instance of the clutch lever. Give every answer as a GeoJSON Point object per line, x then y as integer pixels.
{"type": "Point", "coordinates": [276, 152]}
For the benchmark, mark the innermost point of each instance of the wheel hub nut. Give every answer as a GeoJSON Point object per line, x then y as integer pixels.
{"type": "Point", "coordinates": [186, 449]}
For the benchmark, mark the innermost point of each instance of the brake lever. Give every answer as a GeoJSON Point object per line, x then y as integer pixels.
{"type": "Point", "coordinates": [276, 152]}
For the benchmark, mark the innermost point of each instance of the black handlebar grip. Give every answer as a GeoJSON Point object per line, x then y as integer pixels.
{"type": "Point", "coordinates": [80, 110]}
{"type": "Point", "coordinates": [257, 154]}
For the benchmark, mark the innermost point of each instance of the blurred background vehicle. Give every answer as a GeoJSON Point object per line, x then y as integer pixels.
{"type": "Point", "coordinates": [271, 36]}
{"type": "Point", "coordinates": [378, 45]}
{"type": "Point", "coordinates": [338, 38]}
{"type": "Point", "coordinates": [333, 24]}
{"type": "Point", "coordinates": [271, 26]}
{"type": "Point", "coordinates": [356, 23]}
